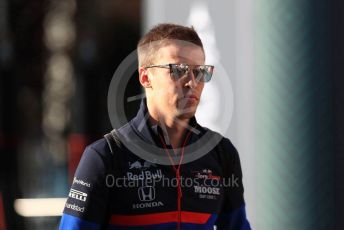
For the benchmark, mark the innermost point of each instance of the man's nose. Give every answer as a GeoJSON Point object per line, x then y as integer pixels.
{"type": "Point", "coordinates": [191, 80]}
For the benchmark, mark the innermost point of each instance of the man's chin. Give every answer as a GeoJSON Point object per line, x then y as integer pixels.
{"type": "Point", "coordinates": [187, 113]}
{"type": "Point", "coordinates": [187, 102]}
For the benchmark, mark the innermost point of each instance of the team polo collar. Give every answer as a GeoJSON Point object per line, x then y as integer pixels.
{"type": "Point", "coordinates": [150, 132]}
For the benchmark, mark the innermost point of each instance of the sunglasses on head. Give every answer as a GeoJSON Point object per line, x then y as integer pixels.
{"type": "Point", "coordinates": [202, 73]}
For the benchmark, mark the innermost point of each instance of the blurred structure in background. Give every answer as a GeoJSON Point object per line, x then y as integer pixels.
{"type": "Point", "coordinates": [282, 64]}
{"type": "Point", "coordinates": [284, 103]}
{"type": "Point", "coordinates": [57, 60]}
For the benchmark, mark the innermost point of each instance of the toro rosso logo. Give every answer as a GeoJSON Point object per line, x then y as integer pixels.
{"type": "Point", "coordinates": [206, 174]}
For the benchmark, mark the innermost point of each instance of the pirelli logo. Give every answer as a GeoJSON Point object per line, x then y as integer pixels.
{"type": "Point", "coordinates": [77, 195]}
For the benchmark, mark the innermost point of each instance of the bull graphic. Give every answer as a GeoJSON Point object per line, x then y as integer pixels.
{"type": "Point", "coordinates": [135, 165]}
{"type": "Point", "coordinates": [138, 165]}
{"type": "Point", "coordinates": [148, 164]}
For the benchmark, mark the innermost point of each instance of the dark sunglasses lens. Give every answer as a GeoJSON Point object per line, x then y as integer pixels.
{"type": "Point", "coordinates": [203, 74]}
{"type": "Point", "coordinates": [198, 74]}
{"type": "Point", "coordinates": [178, 71]}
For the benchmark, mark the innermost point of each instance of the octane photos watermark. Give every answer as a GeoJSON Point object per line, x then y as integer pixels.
{"type": "Point", "coordinates": [186, 182]}
{"type": "Point", "coordinates": [117, 102]}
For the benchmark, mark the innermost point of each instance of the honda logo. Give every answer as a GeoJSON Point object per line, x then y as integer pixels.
{"type": "Point", "coordinates": [146, 193]}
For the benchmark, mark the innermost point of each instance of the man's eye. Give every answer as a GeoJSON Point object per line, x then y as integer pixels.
{"type": "Point", "coordinates": [197, 73]}
{"type": "Point", "coordinates": [179, 71]}
{"type": "Point", "coordinates": [182, 70]}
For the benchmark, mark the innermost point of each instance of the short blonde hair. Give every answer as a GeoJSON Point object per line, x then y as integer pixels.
{"type": "Point", "coordinates": [160, 36]}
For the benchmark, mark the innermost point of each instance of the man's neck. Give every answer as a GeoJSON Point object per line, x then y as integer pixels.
{"type": "Point", "coordinates": [174, 128]}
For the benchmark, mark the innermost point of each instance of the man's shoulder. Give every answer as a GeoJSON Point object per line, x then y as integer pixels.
{"type": "Point", "coordinates": [99, 145]}
{"type": "Point", "coordinates": [205, 130]}
{"type": "Point", "coordinates": [223, 141]}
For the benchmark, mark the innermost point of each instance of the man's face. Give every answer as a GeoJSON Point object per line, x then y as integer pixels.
{"type": "Point", "coordinates": [176, 98]}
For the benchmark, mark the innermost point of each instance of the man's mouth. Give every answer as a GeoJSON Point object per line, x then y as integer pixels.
{"type": "Point", "coordinates": [192, 97]}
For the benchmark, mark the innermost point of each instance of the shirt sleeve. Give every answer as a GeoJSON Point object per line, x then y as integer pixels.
{"type": "Point", "coordinates": [87, 202]}
{"type": "Point", "coordinates": [233, 214]}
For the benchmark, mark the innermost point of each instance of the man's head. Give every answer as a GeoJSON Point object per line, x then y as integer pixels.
{"type": "Point", "coordinates": [170, 90]}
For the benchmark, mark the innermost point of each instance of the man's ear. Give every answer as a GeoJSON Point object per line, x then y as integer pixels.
{"type": "Point", "coordinates": [143, 77]}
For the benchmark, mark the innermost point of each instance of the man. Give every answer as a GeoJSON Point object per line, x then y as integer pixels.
{"type": "Point", "coordinates": [173, 74]}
